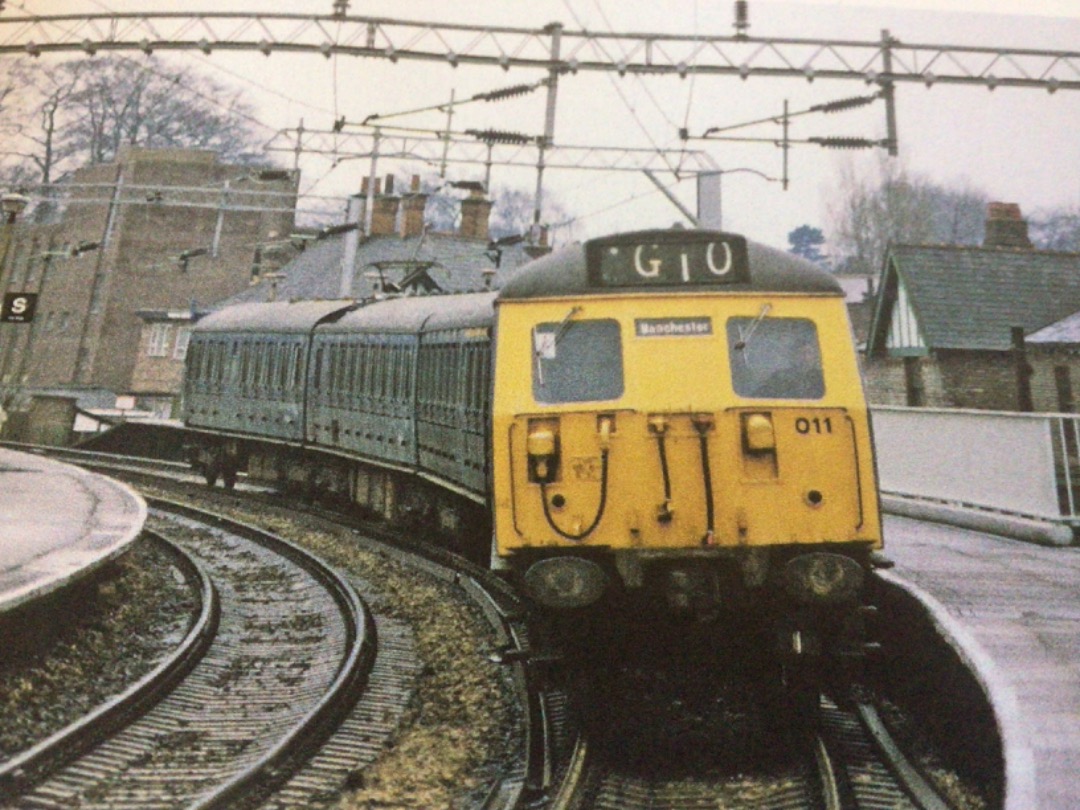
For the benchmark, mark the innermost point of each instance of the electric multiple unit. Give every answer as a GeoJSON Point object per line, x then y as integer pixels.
{"type": "Point", "coordinates": [672, 415]}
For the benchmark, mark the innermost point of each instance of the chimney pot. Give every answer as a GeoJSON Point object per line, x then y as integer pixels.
{"type": "Point", "coordinates": [389, 184]}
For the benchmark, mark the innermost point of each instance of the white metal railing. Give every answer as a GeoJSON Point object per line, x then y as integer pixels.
{"type": "Point", "coordinates": [1020, 463]}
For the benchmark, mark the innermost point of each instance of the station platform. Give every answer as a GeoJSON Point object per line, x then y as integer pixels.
{"type": "Point", "coordinates": [1011, 609]}
{"type": "Point", "coordinates": [58, 523]}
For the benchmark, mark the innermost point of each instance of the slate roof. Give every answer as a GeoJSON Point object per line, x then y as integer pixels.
{"type": "Point", "coordinates": [1061, 333]}
{"type": "Point", "coordinates": [315, 274]}
{"type": "Point", "coordinates": [971, 297]}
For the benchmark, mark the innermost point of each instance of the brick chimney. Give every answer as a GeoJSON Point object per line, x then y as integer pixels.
{"type": "Point", "coordinates": [412, 209]}
{"type": "Point", "coordinates": [541, 248]}
{"type": "Point", "coordinates": [475, 212]}
{"type": "Point", "coordinates": [385, 210]}
{"type": "Point", "coordinates": [1005, 227]}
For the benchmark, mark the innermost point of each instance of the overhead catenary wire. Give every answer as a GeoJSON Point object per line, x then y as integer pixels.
{"type": "Point", "coordinates": [622, 96]}
{"type": "Point", "coordinates": [222, 69]}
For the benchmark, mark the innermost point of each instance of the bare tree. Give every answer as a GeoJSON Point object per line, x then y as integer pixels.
{"type": "Point", "coordinates": [895, 206]}
{"type": "Point", "coordinates": [82, 111]}
{"type": "Point", "coordinates": [1056, 229]}
{"type": "Point", "coordinates": [122, 102]}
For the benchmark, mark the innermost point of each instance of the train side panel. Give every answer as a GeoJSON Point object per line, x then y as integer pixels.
{"type": "Point", "coordinates": [360, 396]}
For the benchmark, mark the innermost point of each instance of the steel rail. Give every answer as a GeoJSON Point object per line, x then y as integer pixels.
{"type": "Point", "coordinates": [830, 788]}
{"type": "Point", "coordinates": [20, 772]}
{"type": "Point", "coordinates": [275, 765]}
{"type": "Point", "coordinates": [882, 61]}
{"type": "Point", "coordinates": [917, 788]}
{"type": "Point", "coordinates": [871, 765]}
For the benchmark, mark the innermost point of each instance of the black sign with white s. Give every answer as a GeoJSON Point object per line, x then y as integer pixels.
{"type": "Point", "coordinates": [668, 259]}
{"type": "Point", "coordinates": [18, 307]}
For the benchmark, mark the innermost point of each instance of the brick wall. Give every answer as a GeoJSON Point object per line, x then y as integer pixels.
{"type": "Point", "coordinates": [979, 380]}
{"type": "Point", "coordinates": [154, 206]}
{"type": "Point", "coordinates": [158, 374]}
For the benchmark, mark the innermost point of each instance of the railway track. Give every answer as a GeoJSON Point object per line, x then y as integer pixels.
{"type": "Point", "coordinates": [292, 649]}
{"type": "Point", "coordinates": [364, 733]}
{"type": "Point", "coordinates": [19, 772]}
{"type": "Point", "coordinates": [848, 763]}
{"type": "Point", "coordinates": [868, 767]}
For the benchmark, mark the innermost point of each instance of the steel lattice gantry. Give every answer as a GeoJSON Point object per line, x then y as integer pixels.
{"type": "Point", "coordinates": [881, 61]}
{"type": "Point", "coordinates": [458, 149]}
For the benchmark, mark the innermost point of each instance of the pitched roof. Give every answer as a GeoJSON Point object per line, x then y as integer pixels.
{"type": "Point", "coordinates": [971, 297]}
{"type": "Point", "coordinates": [1060, 333]}
{"type": "Point", "coordinates": [456, 264]}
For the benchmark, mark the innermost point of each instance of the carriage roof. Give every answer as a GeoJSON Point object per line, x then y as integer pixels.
{"type": "Point", "coordinates": [279, 316]}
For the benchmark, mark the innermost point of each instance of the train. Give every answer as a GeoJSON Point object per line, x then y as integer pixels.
{"type": "Point", "coordinates": [672, 416]}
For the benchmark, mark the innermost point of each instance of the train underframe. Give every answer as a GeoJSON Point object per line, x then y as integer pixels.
{"type": "Point", "coordinates": [396, 496]}
{"type": "Point", "coordinates": [812, 634]}
{"type": "Point", "coordinates": [811, 604]}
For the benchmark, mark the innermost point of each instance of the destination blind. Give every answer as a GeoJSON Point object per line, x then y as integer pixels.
{"type": "Point", "coordinates": [663, 260]}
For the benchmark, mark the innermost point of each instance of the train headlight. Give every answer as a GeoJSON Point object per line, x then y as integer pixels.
{"type": "Point", "coordinates": [823, 578]}
{"type": "Point", "coordinates": [758, 433]}
{"type": "Point", "coordinates": [542, 448]}
{"type": "Point", "coordinates": [565, 582]}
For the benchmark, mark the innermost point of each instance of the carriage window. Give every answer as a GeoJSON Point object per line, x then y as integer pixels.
{"type": "Point", "coordinates": [297, 366]}
{"type": "Point", "coordinates": [316, 377]}
{"type": "Point", "coordinates": [775, 358]}
{"type": "Point", "coordinates": [577, 361]}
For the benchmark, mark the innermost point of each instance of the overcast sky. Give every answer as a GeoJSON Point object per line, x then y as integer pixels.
{"type": "Point", "coordinates": [1016, 145]}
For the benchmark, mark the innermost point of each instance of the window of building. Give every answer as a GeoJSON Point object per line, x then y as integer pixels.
{"type": "Point", "coordinates": [183, 339]}
{"type": "Point", "coordinates": [159, 340]}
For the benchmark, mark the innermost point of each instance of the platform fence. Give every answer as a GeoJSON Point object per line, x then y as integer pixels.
{"type": "Point", "coordinates": [1024, 464]}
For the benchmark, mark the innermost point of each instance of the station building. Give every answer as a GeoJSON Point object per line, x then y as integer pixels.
{"type": "Point", "coordinates": [166, 230]}
{"type": "Point", "coordinates": [991, 327]}
{"type": "Point", "coordinates": [391, 251]}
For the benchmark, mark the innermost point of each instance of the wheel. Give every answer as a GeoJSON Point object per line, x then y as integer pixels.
{"type": "Point", "coordinates": [210, 473]}
{"type": "Point", "coordinates": [228, 478]}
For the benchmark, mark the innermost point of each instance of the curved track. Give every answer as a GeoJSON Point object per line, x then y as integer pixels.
{"type": "Point", "coordinates": [25, 768]}
{"type": "Point", "coordinates": [290, 655]}
{"type": "Point", "coordinates": [363, 734]}
{"type": "Point", "coordinates": [851, 764]}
